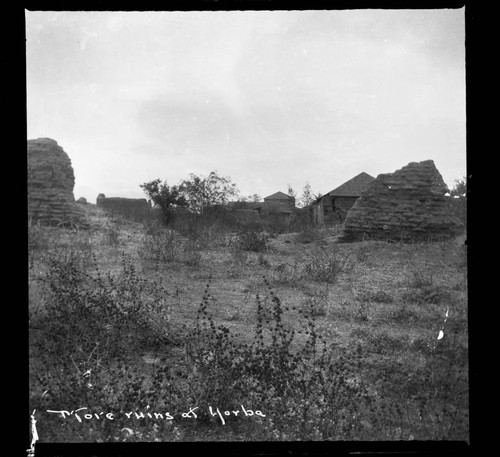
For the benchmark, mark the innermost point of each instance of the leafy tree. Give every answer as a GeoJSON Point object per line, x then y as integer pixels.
{"type": "Point", "coordinates": [291, 192]}
{"type": "Point", "coordinates": [255, 198]}
{"type": "Point", "coordinates": [165, 197]}
{"type": "Point", "coordinates": [205, 192]}
{"type": "Point", "coordinates": [458, 195]}
{"type": "Point", "coordinates": [460, 188]}
{"type": "Point", "coordinates": [307, 196]}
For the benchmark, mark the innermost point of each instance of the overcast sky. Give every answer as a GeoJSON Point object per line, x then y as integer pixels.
{"type": "Point", "coordinates": [268, 98]}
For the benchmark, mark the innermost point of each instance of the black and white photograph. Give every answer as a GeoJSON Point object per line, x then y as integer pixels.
{"type": "Point", "coordinates": [247, 226]}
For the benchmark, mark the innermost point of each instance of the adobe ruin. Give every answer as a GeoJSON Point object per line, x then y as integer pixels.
{"type": "Point", "coordinates": [50, 186]}
{"type": "Point", "coordinates": [134, 209]}
{"type": "Point", "coordinates": [407, 205]}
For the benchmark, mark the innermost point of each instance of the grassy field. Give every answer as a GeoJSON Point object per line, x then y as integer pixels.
{"type": "Point", "coordinates": [218, 336]}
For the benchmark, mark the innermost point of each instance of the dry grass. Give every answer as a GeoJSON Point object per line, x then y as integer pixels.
{"type": "Point", "coordinates": [386, 302]}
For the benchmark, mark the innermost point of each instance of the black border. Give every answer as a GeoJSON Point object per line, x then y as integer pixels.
{"type": "Point", "coordinates": [475, 68]}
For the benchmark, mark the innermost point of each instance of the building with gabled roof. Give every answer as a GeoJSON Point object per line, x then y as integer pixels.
{"type": "Point", "coordinates": [278, 196]}
{"type": "Point", "coordinates": [353, 187]}
{"type": "Point", "coordinates": [279, 202]}
{"type": "Point", "coordinates": [332, 208]}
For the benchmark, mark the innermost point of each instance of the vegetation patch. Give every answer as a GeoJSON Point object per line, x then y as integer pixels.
{"type": "Point", "coordinates": [235, 341]}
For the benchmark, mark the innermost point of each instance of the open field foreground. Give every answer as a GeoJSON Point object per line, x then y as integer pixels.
{"type": "Point", "coordinates": [144, 334]}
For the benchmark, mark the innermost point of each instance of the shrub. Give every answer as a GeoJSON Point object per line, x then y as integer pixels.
{"type": "Point", "coordinates": [419, 277]}
{"type": "Point", "coordinates": [431, 402]}
{"type": "Point", "coordinates": [317, 266]}
{"type": "Point", "coordinates": [289, 274]}
{"type": "Point", "coordinates": [310, 235]}
{"type": "Point", "coordinates": [275, 223]}
{"type": "Point", "coordinates": [422, 286]}
{"type": "Point", "coordinates": [82, 341]}
{"type": "Point", "coordinates": [114, 312]}
{"type": "Point", "coordinates": [207, 229]}
{"type": "Point", "coordinates": [301, 221]}
{"type": "Point", "coordinates": [305, 392]}
{"type": "Point", "coordinates": [160, 246]}
{"type": "Point", "coordinates": [324, 266]}
{"type": "Point", "coordinates": [253, 241]}
{"type": "Point", "coordinates": [38, 239]}
{"type": "Point", "coordinates": [112, 236]}
{"type": "Point", "coordinates": [191, 255]}
{"type": "Point", "coordinates": [239, 261]}
{"type": "Point", "coordinates": [317, 303]}
{"type": "Point", "coordinates": [165, 245]}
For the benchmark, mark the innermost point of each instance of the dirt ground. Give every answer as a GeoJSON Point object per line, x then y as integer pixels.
{"type": "Point", "coordinates": [394, 298]}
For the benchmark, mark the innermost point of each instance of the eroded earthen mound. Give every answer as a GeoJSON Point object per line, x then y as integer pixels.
{"type": "Point", "coordinates": [407, 205]}
{"type": "Point", "coordinates": [50, 186]}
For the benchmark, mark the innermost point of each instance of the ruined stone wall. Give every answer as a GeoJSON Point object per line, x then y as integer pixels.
{"type": "Point", "coordinates": [135, 209]}
{"type": "Point", "coordinates": [50, 186]}
{"type": "Point", "coordinates": [331, 211]}
{"type": "Point", "coordinates": [245, 215]}
{"type": "Point", "coordinates": [407, 205]}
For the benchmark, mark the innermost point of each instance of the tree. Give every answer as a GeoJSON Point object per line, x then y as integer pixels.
{"type": "Point", "coordinates": [255, 198]}
{"type": "Point", "coordinates": [307, 196]}
{"type": "Point", "coordinates": [164, 197]}
{"type": "Point", "coordinates": [458, 195]}
{"type": "Point", "coordinates": [205, 192]}
{"type": "Point", "coordinates": [460, 188]}
{"type": "Point", "coordinates": [292, 192]}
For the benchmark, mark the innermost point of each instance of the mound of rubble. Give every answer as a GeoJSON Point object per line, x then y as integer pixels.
{"type": "Point", "coordinates": [407, 205]}
{"type": "Point", "coordinates": [50, 186]}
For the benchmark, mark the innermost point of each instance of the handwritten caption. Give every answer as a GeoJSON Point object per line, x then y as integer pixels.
{"type": "Point", "coordinates": [83, 414]}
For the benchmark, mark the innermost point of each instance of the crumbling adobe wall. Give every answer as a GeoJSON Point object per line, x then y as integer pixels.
{"type": "Point", "coordinates": [50, 186]}
{"type": "Point", "coordinates": [245, 215]}
{"type": "Point", "coordinates": [135, 209]}
{"type": "Point", "coordinates": [407, 205]}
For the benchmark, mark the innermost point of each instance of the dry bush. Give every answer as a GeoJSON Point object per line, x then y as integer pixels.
{"type": "Point", "coordinates": [322, 265]}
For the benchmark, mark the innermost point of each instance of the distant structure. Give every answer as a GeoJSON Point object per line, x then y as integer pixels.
{"type": "Point", "coordinates": [134, 209]}
{"type": "Point", "coordinates": [51, 181]}
{"type": "Point", "coordinates": [246, 206]}
{"type": "Point", "coordinates": [407, 205]}
{"type": "Point", "coordinates": [279, 203]}
{"type": "Point", "coordinates": [332, 208]}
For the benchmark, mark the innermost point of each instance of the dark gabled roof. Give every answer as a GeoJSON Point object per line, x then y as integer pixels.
{"type": "Point", "coordinates": [278, 196]}
{"type": "Point", "coordinates": [353, 187]}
